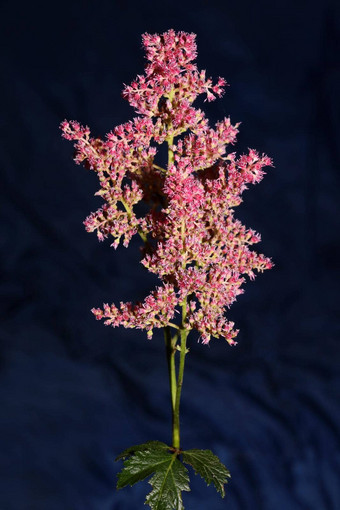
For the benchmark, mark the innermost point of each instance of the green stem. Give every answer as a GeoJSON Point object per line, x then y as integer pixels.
{"type": "Point", "coordinates": [129, 212]}
{"type": "Point", "coordinates": [170, 151]}
{"type": "Point", "coordinates": [183, 352]}
{"type": "Point", "coordinates": [159, 168]}
{"type": "Point", "coordinates": [170, 345]}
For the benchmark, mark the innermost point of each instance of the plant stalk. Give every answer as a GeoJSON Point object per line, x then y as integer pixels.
{"type": "Point", "coordinates": [176, 380]}
{"type": "Point", "coordinates": [176, 416]}
{"type": "Point", "coordinates": [170, 345]}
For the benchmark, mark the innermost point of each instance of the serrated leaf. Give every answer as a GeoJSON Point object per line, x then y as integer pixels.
{"type": "Point", "coordinates": [149, 445]}
{"type": "Point", "coordinates": [140, 465]}
{"type": "Point", "coordinates": [170, 477]}
{"type": "Point", "coordinates": [209, 467]}
{"type": "Point", "coordinates": [168, 482]}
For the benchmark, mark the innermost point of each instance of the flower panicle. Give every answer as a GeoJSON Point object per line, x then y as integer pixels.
{"type": "Point", "coordinates": [201, 253]}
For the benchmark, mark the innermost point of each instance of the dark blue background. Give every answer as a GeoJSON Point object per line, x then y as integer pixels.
{"type": "Point", "coordinates": [74, 393]}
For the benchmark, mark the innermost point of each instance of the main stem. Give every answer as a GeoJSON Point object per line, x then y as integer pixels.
{"type": "Point", "coordinates": [176, 381]}
{"type": "Point", "coordinates": [183, 352]}
{"type": "Point", "coordinates": [170, 345]}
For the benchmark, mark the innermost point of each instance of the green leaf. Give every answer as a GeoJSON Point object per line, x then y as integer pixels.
{"type": "Point", "coordinates": [209, 467]}
{"type": "Point", "coordinates": [169, 480]}
{"type": "Point", "coordinates": [142, 463]}
{"type": "Point", "coordinates": [149, 445]}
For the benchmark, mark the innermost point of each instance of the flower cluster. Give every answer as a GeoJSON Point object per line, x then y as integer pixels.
{"type": "Point", "coordinates": [200, 252]}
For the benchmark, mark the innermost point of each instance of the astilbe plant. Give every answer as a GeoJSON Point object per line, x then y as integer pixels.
{"type": "Point", "coordinates": [191, 239]}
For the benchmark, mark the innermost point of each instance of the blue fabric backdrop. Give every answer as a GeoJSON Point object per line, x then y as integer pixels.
{"type": "Point", "coordinates": [74, 393]}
